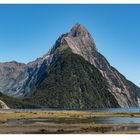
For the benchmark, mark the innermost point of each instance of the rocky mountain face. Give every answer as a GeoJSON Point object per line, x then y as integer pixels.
{"type": "Point", "coordinates": [72, 74]}
{"type": "Point", "coordinates": [17, 79]}
{"type": "Point", "coordinates": [81, 43]}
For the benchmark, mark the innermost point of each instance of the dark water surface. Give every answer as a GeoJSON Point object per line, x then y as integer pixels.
{"type": "Point", "coordinates": [92, 110]}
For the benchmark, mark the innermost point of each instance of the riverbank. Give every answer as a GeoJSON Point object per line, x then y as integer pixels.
{"type": "Point", "coordinates": [65, 122]}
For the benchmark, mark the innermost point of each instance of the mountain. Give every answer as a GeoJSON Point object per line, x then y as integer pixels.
{"type": "Point", "coordinates": [72, 82]}
{"type": "Point", "coordinates": [17, 79]}
{"type": "Point", "coordinates": [73, 74]}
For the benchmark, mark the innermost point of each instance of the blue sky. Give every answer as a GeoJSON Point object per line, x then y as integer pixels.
{"type": "Point", "coordinates": [28, 31]}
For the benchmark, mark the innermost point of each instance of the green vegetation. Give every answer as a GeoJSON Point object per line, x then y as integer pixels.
{"type": "Point", "coordinates": [72, 83]}
{"type": "Point", "coordinates": [15, 103]}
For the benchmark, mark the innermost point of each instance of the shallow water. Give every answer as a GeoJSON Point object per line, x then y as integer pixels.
{"type": "Point", "coordinates": [116, 120]}
{"type": "Point", "coordinates": [96, 120]}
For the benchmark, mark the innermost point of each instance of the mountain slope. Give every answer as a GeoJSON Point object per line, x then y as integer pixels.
{"type": "Point", "coordinates": [17, 79]}
{"type": "Point", "coordinates": [10, 102]}
{"type": "Point", "coordinates": [72, 82]}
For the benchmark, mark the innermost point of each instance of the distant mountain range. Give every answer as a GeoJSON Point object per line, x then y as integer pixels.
{"type": "Point", "coordinates": [73, 75]}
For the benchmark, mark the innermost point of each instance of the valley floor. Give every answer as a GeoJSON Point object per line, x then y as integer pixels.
{"type": "Point", "coordinates": [68, 122]}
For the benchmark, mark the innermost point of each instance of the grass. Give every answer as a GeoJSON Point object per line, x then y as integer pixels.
{"type": "Point", "coordinates": [64, 114]}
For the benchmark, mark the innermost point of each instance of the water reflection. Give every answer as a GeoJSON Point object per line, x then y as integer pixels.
{"type": "Point", "coordinates": [96, 120]}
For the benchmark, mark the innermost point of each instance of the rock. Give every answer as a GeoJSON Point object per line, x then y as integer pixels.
{"type": "Point", "coordinates": [3, 105]}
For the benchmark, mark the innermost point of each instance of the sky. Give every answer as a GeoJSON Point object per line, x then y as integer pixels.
{"type": "Point", "coordinates": [29, 31]}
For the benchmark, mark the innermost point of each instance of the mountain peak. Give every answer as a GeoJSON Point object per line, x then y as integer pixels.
{"type": "Point", "coordinates": [79, 30]}
{"type": "Point", "coordinates": [80, 33]}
